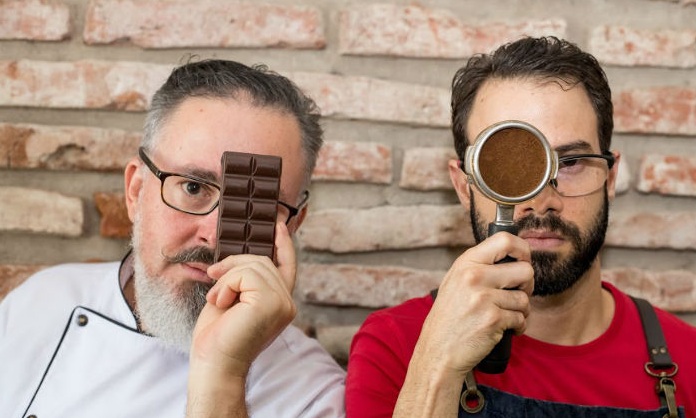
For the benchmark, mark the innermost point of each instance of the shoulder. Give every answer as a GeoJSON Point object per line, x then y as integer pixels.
{"type": "Point", "coordinates": [313, 383]}
{"type": "Point", "coordinates": [407, 316]}
{"type": "Point", "coordinates": [66, 280]}
{"type": "Point", "coordinates": [392, 331]}
{"type": "Point", "coordinates": [53, 293]}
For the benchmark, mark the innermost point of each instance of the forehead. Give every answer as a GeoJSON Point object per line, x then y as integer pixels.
{"type": "Point", "coordinates": [199, 130]}
{"type": "Point", "coordinates": [562, 112]}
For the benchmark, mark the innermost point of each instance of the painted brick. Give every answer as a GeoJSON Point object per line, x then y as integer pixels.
{"type": "Point", "coordinates": [114, 221]}
{"type": "Point", "coordinates": [40, 211]}
{"type": "Point", "coordinates": [203, 23]}
{"type": "Point", "coordinates": [376, 100]}
{"type": "Point", "coordinates": [672, 290]}
{"type": "Point", "coordinates": [668, 175]}
{"type": "Point", "coordinates": [360, 285]}
{"type": "Point", "coordinates": [416, 31]}
{"type": "Point", "coordinates": [12, 275]}
{"type": "Point", "coordinates": [129, 86]}
{"type": "Point", "coordinates": [675, 230]}
{"type": "Point", "coordinates": [66, 147]}
{"type": "Point", "coordinates": [380, 286]}
{"type": "Point", "coordinates": [34, 20]}
{"type": "Point", "coordinates": [80, 84]}
{"type": "Point", "coordinates": [620, 45]}
{"type": "Point", "coordinates": [385, 228]}
{"type": "Point", "coordinates": [426, 169]}
{"type": "Point", "coordinates": [665, 110]}
{"type": "Point", "coordinates": [354, 161]}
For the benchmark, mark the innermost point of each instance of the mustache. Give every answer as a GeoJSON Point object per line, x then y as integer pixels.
{"type": "Point", "coordinates": [549, 222]}
{"type": "Point", "coordinates": [199, 254]}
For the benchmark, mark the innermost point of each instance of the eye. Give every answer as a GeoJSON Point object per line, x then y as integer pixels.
{"type": "Point", "coordinates": [192, 188]}
{"type": "Point", "coordinates": [570, 166]}
{"type": "Point", "coordinates": [566, 163]}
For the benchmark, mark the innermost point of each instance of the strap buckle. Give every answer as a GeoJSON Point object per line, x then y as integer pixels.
{"type": "Point", "coordinates": [666, 389]}
{"type": "Point", "coordinates": [472, 400]}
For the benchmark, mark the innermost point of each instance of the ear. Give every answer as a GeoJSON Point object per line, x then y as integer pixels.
{"type": "Point", "coordinates": [298, 219]}
{"type": "Point", "coordinates": [613, 174]}
{"type": "Point", "coordinates": [460, 181]}
{"type": "Point", "coordinates": [133, 182]}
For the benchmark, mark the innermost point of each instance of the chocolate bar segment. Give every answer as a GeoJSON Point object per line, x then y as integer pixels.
{"type": "Point", "coordinates": [248, 204]}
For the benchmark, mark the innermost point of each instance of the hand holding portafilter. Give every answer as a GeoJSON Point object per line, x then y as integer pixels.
{"type": "Point", "coordinates": [510, 162]}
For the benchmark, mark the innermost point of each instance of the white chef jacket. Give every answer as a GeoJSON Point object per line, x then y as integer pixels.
{"type": "Point", "coordinates": [69, 347]}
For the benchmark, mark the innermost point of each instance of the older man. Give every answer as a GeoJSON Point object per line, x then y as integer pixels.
{"type": "Point", "coordinates": [167, 331]}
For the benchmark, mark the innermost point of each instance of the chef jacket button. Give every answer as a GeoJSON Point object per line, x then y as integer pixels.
{"type": "Point", "coordinates": [31, 416]}
{"type": "Point", "coordinates": [81, 321]}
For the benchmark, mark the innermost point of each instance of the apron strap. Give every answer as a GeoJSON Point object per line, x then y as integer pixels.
{"type": "Point", "coordinates": [660, 364]}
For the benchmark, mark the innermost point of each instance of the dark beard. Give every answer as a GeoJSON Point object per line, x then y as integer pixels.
{"type": "Point", "coordinates": [552, 275]}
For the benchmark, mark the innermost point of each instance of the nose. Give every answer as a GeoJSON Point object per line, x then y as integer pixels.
{"type": "Point", "coordinates": [548, 200]}
{"type": "Point", "coordinates": [207, 229]}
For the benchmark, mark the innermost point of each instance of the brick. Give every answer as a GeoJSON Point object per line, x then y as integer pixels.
{"type": "Point", "coordinates": [620, 45]}
{"type": "Point", "coordinates": [623, 178]}
{"type": "Point", "coordinates": [354, 161]}
{"type": "Point", "coordinates": [12, 275]}
{"type": "Point", "coordinates": [426, 169]}
{"type": "Point", "coordinates": [365, 286]}
{"type": "Point", "coordinates": [376, 100]}
{"type": "Point", "coordinates": [664, 110]}
{"type": "Point", "coordinates": [66, 147]}
{"type": "Point", "coordinates": [129, 86]}
{"type": "Point", "coordinates": [672, 290]}
{"type": "Point", "coordinates": [674, 230]}
{"type": "Point", "coordinates": [114, 221]}
{"type": "Point", "coordinates": [34, 20]}
{"type": "Point", "coordinates": [416, 31]}
{"type": "Point", "coordinates": [40, 211]}
{"type": "Point", "coordinates": [385, 228]}
{"type": "Point", "coordinates": [381, 286]}
{"type": "Point", "coordinates": [203, 23]}
{"type": "Point", "coordinates": [668, 175]}
{"type": "Point", "coordinates": [80, 84]}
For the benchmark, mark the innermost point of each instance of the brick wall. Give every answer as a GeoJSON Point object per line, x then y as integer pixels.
{"type": "Point", "coordinates": [76, 76]}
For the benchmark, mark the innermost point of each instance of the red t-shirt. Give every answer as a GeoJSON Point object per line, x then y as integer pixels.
{"type": "Point", "coordinates": [606, 372]}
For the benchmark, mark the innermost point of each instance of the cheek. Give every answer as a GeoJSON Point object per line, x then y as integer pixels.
{"type": "Point", "coordinates": [161, 230]}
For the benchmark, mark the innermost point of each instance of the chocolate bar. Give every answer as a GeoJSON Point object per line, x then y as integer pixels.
{"type": "Point", "coordinates": [248, 204]}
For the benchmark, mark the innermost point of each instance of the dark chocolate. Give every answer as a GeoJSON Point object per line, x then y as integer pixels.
{"type": "Point", "coordinates": [248, 204]}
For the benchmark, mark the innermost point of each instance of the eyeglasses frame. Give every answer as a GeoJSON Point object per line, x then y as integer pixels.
{"type": "Point", "coordinates": [162, 175]}
{"type": "Point", "coordinates": [606, 155]}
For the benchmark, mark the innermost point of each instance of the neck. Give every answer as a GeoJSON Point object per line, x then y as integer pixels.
{"type": "Point", "coordinates": [577, 316]}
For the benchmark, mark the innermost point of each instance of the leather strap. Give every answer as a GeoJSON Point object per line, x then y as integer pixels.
{"type": "Point", "coordinates": [660, 365]}
{"type": "Point", "coordinates": [657, 346]}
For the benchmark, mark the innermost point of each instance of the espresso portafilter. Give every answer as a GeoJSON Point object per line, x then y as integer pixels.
{"type": "Point", "coordinates": [510, 162]}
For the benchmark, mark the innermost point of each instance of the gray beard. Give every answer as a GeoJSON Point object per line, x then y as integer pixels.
{"type": "Point", "coordinates": [166, 312]}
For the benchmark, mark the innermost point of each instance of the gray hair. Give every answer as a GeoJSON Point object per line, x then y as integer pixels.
{"type": "Point", "coordinates": [222, 79]}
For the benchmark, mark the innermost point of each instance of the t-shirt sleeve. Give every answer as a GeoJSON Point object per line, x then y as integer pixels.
{"type": "Point", "coordinates": [376, 368]}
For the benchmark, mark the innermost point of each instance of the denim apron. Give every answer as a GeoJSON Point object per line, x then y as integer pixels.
{"type": "Point", "coordinates": [487, 402]}
{"type": "Point", "coordinates": [499, 404]}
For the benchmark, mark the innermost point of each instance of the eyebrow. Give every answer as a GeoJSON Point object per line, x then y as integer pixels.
{"type": "Point", "coordinates": [201, 174]}
{"type": "Point", "coordinates": [577, 145]}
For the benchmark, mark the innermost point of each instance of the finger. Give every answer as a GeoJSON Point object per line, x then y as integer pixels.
{"type": "Point", "coordinates": [227, 296]}
{"type": "Point", "coordinates": [285, 256]}
{"type": "Point", "coordinates": [497, 247]}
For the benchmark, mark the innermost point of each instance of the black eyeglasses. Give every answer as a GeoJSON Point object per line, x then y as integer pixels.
{"type": "Point", "coordinates": [197, 196]}
{"type": "Point", "coordinates": [582, 174]}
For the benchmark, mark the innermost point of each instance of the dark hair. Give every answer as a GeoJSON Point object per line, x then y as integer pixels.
{"type": "Point", "coordinates": [546, 58]}
{"type": "Point", "coordinates": [222, 79]}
